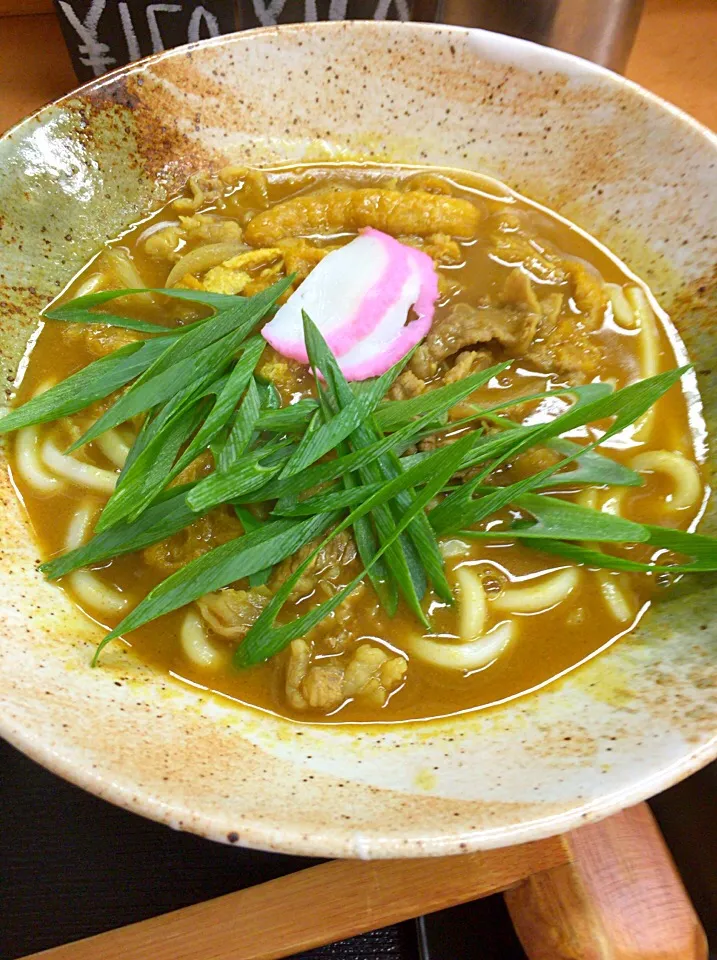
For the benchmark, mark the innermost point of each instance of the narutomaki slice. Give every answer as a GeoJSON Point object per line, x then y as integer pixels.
{"type": "Point", "coordinates": [360, 297]}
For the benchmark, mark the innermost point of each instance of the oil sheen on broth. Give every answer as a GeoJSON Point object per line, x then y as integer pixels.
{"type": "Point", "coordinates": [551, 299]}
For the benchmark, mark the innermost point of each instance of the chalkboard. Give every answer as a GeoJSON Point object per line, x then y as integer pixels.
{"type": "Point", "coordinates": [264, 13]}
{"type": "Point", "coordinates": [104, 34]}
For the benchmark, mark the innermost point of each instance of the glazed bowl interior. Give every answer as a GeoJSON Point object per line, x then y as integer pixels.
{"type": "Point", "coordinates": [630, 169]}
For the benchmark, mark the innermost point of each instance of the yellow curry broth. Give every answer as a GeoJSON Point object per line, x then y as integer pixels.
{"type": "Point", "coordinates": [511, 232]}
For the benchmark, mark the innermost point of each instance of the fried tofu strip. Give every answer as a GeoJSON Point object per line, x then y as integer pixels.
{"type": "Point", "coordinates": [415, 213]}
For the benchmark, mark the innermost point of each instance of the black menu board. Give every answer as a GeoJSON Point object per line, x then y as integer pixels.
{"type": "Point", "coordinates": [104, 34]}
{"type": "Point", "coordinates": [264, 13]}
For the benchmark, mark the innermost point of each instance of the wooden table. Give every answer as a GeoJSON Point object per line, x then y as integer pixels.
{"type": "Point", "coordinates": [674, 56]}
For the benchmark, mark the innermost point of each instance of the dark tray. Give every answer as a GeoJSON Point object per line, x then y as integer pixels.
{"type": "Point", "coordinates": [72, 866]}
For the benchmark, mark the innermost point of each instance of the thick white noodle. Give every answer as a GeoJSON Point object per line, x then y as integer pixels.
{"type": "Point", "coordinates": [609, 502]}
{"type": "Point", "coordinates": [82, 474]}
{"type": "Point", "coordinates": [464, 656]}
{"type": "Point", "coordinates": [113, 446]}
{"type": "Point", "coordinates": [474, 648]}
{"type": "Point", "coordinates": [27, 455]}
{"type": "Point", "coordinates": [645, 321]}
{"type": "Point", "coordinates": [473, 607]}
{"type": "Point", "coordinates": [649, 353]}
{"type": "Point", "coordinates": [79, 528]}
{"type": "Point", "coordinates": [683, 472]}
{"type": "Point", "coordinates": [92, 592]}
{"type": "Point", "coordinates": [588, 498]}
{"type": "Point", "coordinates": [195, 641]}
{"type": "Point", "coordinates": [621, 310]}
{"type": "Point", "coordinates": [88, 587]}
{"type": "Point", "coordinates": [28, 462]}
{"type": "Point", "coordinates": [616, 599]}
{"type": "Point", "coordinates": [613, 501]}
{"type": "Point", "coordinates": [540, 594]}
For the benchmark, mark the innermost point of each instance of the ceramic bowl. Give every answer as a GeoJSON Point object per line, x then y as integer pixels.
{"type": "Point", "coordinates": [634, 171]}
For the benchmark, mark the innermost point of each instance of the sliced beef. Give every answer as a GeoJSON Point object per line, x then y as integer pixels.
{"type": "Point", "coordinates": [520, 325]}
{"type": "Point", "coordinates": [323, 685]}
{"type": "Point", "coordinates": [440, 247]}
{"type": "Point", "coordinates": [217, 527]}
{"type": "Point", "coordinates": [100, 341]}
{"type": "Point", "coordinates": [325, 569]}
{"type": "Point", "coordinates": [297, 667]}
{"type": "Point", "coordinates": [368, 674]}
{"type": "Point", "coordinates": [230, 613]}
{"type": "Point", "coordinates": [407, 385]}
{"type": "Point", "coordinates": [300, 256]}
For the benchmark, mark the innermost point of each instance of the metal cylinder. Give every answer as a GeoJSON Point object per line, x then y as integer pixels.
{"type": "Point", "coordinates": [599, 30]}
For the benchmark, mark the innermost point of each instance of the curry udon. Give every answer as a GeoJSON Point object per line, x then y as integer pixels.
{"type": "Point", "coordinates": [517, 284]}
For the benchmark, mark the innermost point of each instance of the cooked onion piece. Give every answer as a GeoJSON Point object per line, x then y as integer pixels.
{"type": "Point", "coordinates": [127, 274]}
{"type": "Point", "coordinates": [455, 548]}
{"type": "Point", "coordinates": [540, 594]}
{"type": "Point", "coordinates": [95, 282]}
{"type": "Point", "coordinates": [203, 258]}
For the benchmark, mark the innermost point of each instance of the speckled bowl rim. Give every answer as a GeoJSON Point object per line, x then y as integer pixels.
{"type": "Point", "coordinates": [531, 49]}
{"type": "Point", "coordinates": [333, 842]}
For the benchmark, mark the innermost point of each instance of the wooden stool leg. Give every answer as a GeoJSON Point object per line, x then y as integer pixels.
{"type": "Point", "coordinates": [620, 899]}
